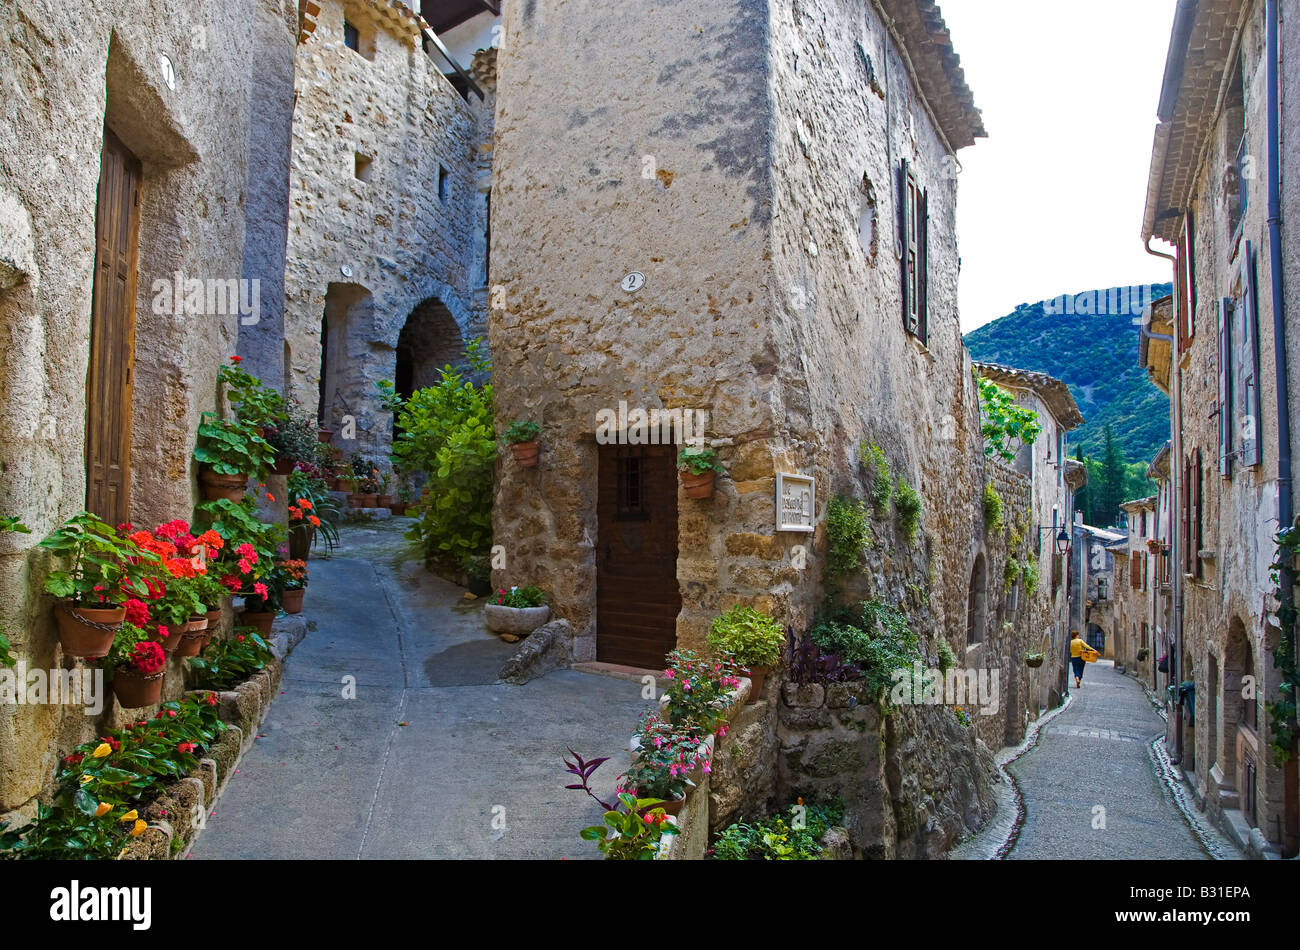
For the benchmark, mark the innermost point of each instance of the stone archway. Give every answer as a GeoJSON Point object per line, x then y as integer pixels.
{"type": "Point", "coordinates": [429, 340]}
{"type": "Point", "coordinates": [977, 602]}
{"type": "Point", "coordinates": [343, 387]}
{"type": "Point", "coordinates": [1239, 717]}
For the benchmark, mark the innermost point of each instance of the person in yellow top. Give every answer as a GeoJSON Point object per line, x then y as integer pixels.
{"type": "Point", "coordinates": [1078, 650]}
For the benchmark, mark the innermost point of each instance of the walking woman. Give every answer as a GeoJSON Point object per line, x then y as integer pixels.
{"type": "Point", "coordinates": [1077, 650]}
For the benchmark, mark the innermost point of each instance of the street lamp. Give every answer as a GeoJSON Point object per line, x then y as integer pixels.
{"type": "Point", "coordinates": [1063, 542]}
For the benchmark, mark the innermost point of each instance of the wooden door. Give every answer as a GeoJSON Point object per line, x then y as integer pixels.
{"type": "Point", "coordinates": [637, 597]}
{"type": "Point", "coordinates": [112, 334]}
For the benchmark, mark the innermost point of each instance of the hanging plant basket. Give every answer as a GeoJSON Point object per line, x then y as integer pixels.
{"type": "Point", "coordinates": [135, 690]}
{"type": "Point", "coordinates": [526, 453]}
{"type": "Point", "coordinates": [1034, 660]}
{"type": "Point", "coordinates": [214, 486]}
{"type": "Point", "coordinates": [86, 631]}
{"type": "Point", "coordinates": [698, 486]}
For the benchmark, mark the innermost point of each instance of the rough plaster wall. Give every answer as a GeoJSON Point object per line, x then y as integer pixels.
{"type": "Point", "coordinates": [400, 241]}
{"type": "Point", "coordinates": [572, 214]}
{"type": "Point", "coordinates": [56, 61]}
{"type": "Point", "coordinates": [271, 117]}
{"type": "Point", "coordinates": [1240, 514]}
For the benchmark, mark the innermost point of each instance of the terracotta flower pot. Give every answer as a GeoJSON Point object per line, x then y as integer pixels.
{"type": "Point", "coordinates": [757, 677]}
{"type": "Point", "coordinates": [87, 631]}
{"type": "Point", "coordinates": [354, 500]}
{"type": "Point", "coordinates": [384, 501]}
{"type": "Point", "coordinates": [698, 486]}
{"type": "Point", "coordinates": [283, 465]}
{"type": "Point", "coordinates": [398, 508]}
{"type": "Point", "coordinates": [324, 435]}
{"type": "Point", "coordinates": [519, 621]}
{"type": "Point", "coordinates": [300, 538]}
{"type": "Point", "coordinates": [292, 600]}
{"type": "Point", "coordinates": [192, 637]}
{"type": "Point", "coordinates": [215, 486]}
{"type": "Point", "coordinates": [368, 500]}
{"type": "Point", "coordinates": [525, 453]}
{"type": "Point", "coordinates": [134, 689]}
{"type": "Point", "coordinates": [261, 619]}
{"type": "Point", "coordinates": [170, 642]}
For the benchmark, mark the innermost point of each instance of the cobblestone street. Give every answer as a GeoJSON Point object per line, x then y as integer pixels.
{"type": "Point", "coordinates": [1089, 786]}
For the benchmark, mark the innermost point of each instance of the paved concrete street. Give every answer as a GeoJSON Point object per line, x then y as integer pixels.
{"type": "Point", "coordinates": [1093, 756]}
{"type": "Point", "coordinates": [433, 758]}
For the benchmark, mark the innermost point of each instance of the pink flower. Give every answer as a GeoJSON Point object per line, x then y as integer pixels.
{"type": "Point", "coordinates": [259, 589]}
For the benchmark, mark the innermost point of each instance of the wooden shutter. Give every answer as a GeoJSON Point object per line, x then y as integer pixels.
{"type": "Point", "coordinates": [907, 188]}
{"type": "Point", "coordinates": [112, 334]}
{"type": "Point", "coordinates": [923, 265]}
{"type": "Point", "coordinates": [1188, 546]}
{"type": "Point", "coordinates": [1198, 511]}
{"type": "Point", "coordinates": [1189, 243]}
{"type": "Point", "coordinates": [1134, 567]}
{"type": "Point", "coordinates": [1225, 409]}
{"type": "Point", "coordinates": [1248, 391]}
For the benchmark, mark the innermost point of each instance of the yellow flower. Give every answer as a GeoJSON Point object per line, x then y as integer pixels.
{"type": "Point", "coordinates": [129, 816]}
{"type": "Point", "coordinates": [102, 750]}
{"type": "Point", "coordinates": [86, 778]}
{"type": "Point", "coordinates": [138, 830]}
{"type": "Point", "coordinates": [103, 809]}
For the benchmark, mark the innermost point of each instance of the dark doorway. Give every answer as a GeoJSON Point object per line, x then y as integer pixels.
{"type": "Point", "coordinates": [637, 597]}
{"type": "Point", "coordinates": [112, 334]}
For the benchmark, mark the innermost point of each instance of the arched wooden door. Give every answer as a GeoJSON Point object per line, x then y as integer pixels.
{"type": "Point", "coordinates": [112, 334]}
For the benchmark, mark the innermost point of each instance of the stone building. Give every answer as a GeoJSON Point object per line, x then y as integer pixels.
{"type": "Point", "coordinates": [1048, 469]}
{"type": "Point", "coordinates": [1137, 565]}
{"type": "Point", "coordinates": [388, 211]}
{"type": "Point", "coordinates": [132, 171]}
{"type": "Point", "coordinates": [759, 228]}
{"type": "Point", "coordinates": [1216, 195]}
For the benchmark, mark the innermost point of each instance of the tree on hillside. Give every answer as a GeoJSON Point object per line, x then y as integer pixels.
{"type": "Point", "coordinates": [1109, 494]}
{"type": "Point", "coordinates": [1082, 496]}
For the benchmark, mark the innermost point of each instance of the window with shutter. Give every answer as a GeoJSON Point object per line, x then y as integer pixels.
{"type": "Point", "coordinates": [1188, 546]}
{"type": "Point", "coordinates": [1248, 389]}
{"type": "Point", "coordinates": [1134, 565]}
{"type": "Point", "coordinates": [915, 241]}
{"type": "Point", "coordinates": [1189, 242]}
{"type": "Point", "coordinates": [1225, 404]}
{"type": "Point", "coordinates": [1198, 512]}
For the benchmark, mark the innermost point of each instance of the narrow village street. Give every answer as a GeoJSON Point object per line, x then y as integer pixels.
{"type": "Point", "coordinates": [1089, 786]}
{"type": "Point", "coordinates": [434, 758]}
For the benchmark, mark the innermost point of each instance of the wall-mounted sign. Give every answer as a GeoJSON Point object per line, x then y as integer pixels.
{"type": "Point", "coordinates": [633, 282]}
{"type": "Point", "coordinates": [794, 502]}
{"type": "Point", "coordinates": [168, 71]}
{"type": "Point", "coordinates": [345, 270]}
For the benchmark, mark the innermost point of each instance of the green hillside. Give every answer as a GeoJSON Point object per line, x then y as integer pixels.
{"type": "Point", "coordinates": [1097, 357]}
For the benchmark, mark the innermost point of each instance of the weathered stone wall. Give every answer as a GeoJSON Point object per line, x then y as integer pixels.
{"type": "Point", "coordinates": [382, 235]}
{"type": "Point", "coordinates": [1239, 515]}
{"type": "Point", "coordinates": [67, 70]}
{"type": "Point", "coordinates": [730, 173]}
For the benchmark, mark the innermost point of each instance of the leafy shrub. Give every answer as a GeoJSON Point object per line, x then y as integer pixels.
{"type": "Point", "coordinates": [295, 437]}
{"type": "Point", "coordinates": [876, 464]}
{"type": "Point", "coordinates": [871, 635]}
{"type": "Point", "coordinates": [750, 636]}
{"type": "Point", "coordinates": [992, 507]}
{"type": "Point", "coordinates": [1010, 573]}
{"type": "Point", "coordinates": [947, 659]}
{"type": "Point", "coordinates": [795, 836]}
{"type": "Point", "coordinates": [447, 431]}
{"type": "Point", "coordinates": [847, 533]}
{"type": "Point", "coordinates": [227, 662]}
{"type": "Point", "coordinates": [907, 507]}
{"type": "Point", "coordinates": [1005, 425]}
{"type": "Point", "coordinates": [1029, 570]}
{"type": "Point", "coordinates": [105, 783]}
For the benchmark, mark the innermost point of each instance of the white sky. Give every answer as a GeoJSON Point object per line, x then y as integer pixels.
{"type": "Point", "coordinates": [1051, 202]}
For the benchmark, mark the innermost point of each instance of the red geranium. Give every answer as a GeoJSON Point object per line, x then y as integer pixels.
{"type": "Point", "coordinates": [148, 657]}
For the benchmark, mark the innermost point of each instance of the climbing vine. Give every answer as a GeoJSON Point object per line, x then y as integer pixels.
{"type": "Point", "coordinates": [847, 533]}
{"type": "Point", "coordinates": [873, 460]}
{"type": "Point", "coordinates": [992, 507]}
{"type": "Point", "coordinates": [1282, 713]}
{"type": "Point", "coordinates": [1006, 426]}
{"type": "Point", "coordinates": [907, 506]}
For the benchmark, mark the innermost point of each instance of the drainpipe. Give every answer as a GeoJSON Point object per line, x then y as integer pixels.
{"type": "Point", "coordinates": [1175, 459]}
{"type": "Point", "coordinates": [1291, 811]}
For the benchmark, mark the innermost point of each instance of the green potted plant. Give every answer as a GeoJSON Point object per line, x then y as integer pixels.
{"type": "Point", "coordinates": [106, 569]}
{"type": "Point", "coordinates": [135, 665]}
{"type": "Point", "coordinates": [230, 452]}
{"type": "Point", "coordinates": [253, 403]}
{"type": "Point", "coordinates": [384, 500]}
{"type": "Point", "coordinates": [522, 438]}
{"type": "Point", "coordinates": [478, 574]}
{"type": "Point", "coordinates": [293, 440]}
{"type": "Point", "coordinates": [516, 613]}
{"type": "Point", "coordinates": [668, 755]}
{"type": "Point", "coordinates": [752, 639]}
{"type": "Point", "coordinates": [698, 468]}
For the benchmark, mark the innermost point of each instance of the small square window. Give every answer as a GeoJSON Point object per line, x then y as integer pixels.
{"type": "Point", "coordinates": [351, 37]}
{"type": "Point", "coordinates": [444, 183]}
{"type": "Point", "coordinates": [364, 165]}
{"type": "Point", "coordinates": [359, 38]}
